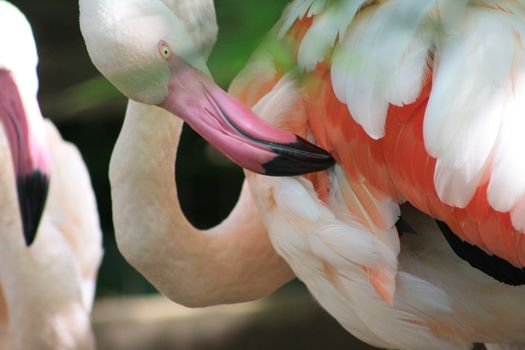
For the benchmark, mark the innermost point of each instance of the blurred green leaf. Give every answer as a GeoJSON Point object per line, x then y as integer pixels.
{"type": "Point", "coordinates": [89, 94]}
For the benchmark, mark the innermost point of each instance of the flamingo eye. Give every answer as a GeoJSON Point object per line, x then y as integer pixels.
{"type": "Point", "coordinates": [164, 50]}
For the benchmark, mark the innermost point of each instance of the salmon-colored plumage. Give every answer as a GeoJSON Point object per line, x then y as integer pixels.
{"type": "Point", "coordinates": [398, 164]}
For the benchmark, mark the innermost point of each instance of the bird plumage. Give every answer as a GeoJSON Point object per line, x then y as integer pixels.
{"type": "Point", "coordinates": [415, 100]}
{"type": "Point", "coordinates": [440, 301]}
{"type": "Point", "coordinates": [47, 289]}
{"type": "Point", "coordinates": [386, 87]}
{"type": "Point", "coordinates": [410, 97]}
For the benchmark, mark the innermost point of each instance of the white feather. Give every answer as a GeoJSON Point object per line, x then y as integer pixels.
{"type": "Point", "coordinates": [453, 186]}
{"type": "Point", "coordinates": [366, 63]}
{"type": "Point", "coordinates": [283, 106]}
{"type": "Point", "coordinates": [337, 242]}
{"type": "Point", "coordinates": [297, 10]}
{"type": "Point", "coordinates": [450, 14]}
{"type": "Point", "coordinates": [342, 190]}
{"type": "Point", "coordinates": [509, 6]}
{"type": "Point", "coordinates": [340, 244]}
{"type": "Point", "coordinates": [294, 11]}
{"type": "Point", "coordinates": [517, 215]}
{"type": "Point", "coordinates": [507, 182]}
{"type": "Point", "coordinates": [316, 7]}
{"type": "Point", "coordinates": [259, 72]}
{"type": "Point", "coordinates": [410, 74]}
{"type": "Point", "coordinates": [323, 33]}
{"type": "Point", "coordinates": [293, 197]}
{"type": "Point", "coordinates": [405, 323]}
{"type": "Point", "coordinates": [465, 108]}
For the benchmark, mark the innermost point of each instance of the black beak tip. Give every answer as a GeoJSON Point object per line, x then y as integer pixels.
{"type": "Point", "coordinates": [298, 158]}
{"type": "Point", "coordinates": [32, 193]}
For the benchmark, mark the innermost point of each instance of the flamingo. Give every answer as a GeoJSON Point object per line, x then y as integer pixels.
{"type": "Point", "coordinates": [418, 102]}
{"type": "Point", "coordinates": [234, 261]}
{"type": "Point", "coordinates": [46, 288]}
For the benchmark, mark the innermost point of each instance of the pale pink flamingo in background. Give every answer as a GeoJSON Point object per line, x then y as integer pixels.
{"type": "Point", "coordinates": [362, 90]}
{"type": "Point", "coordinates": [47, 288]}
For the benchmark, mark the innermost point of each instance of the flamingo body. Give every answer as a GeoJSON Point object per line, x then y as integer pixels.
{"type": "Point", "coordinates": [47, 289]}
{"type": "Point", "coordinates": [374, 78]}
{"type": "Point", "coordinates": [412, 102]}
{"type": "Point", "coordinates": [440, 301]}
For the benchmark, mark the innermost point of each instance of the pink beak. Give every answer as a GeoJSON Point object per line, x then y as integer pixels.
{"type": "Point", "coordinates": [30, 159]}
{"type": "Point", "coordinates": [235, 130]}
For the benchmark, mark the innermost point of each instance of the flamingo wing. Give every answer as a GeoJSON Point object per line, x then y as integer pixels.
{"type": "Point", "coordinates": [372, 212]}
{"type": "Point", "coordinates": [419, 101]}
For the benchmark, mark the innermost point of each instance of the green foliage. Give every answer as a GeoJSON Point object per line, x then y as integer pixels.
{"type": "Point", "coordinates": [87, 95]}
{"type": "Point", "coordinates": [242, 27]}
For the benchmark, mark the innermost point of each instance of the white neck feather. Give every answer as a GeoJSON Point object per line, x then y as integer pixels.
{"type": "Point", "coordinates": [192, 267]}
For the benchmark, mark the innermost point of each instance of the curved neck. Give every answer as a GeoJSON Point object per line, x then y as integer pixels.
{"type": "Point", "coordinates": [232, 262]}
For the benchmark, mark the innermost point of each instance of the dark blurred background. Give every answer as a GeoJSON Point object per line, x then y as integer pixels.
{"type": "Point", "coordinates": [89, 112]}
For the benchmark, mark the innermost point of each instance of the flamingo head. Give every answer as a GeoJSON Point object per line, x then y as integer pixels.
{"type": "Point", "coordinates": [21, 118]}
{"type": "Point", "coordinates": [154, 52]}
